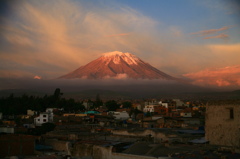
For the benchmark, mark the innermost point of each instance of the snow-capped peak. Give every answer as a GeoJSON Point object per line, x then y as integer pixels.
{"type": "Point", "coordinates": [116, 57]}
{"type": "Point", "coordinates": [114, 53]}
{"type": "Point", "coordinates": [117, 65]}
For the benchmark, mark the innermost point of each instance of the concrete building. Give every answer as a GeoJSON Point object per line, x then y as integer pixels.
{"type": "Point", "coordinates": [186, 114]}
{"type": "Point", "coordinates": [121, 115]}
{"type": "Point", "coordinates": [30, 112]}
{"type": "Point", "coordinates": [180, 103]}
{"type": "Point", "coordinates": [43, 118]}
{"type": "Point", "coordinates": [149, 108]}
{"type": "Point", "coordinates": [158, 109]}
{"type": "Point", "coordinates": [223, 125]}
{"type": "Point", "coordinates": [7, 130]}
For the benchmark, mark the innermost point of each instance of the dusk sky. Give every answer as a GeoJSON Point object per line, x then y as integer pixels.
{"type": "Point", "coordinates": [196, 39]}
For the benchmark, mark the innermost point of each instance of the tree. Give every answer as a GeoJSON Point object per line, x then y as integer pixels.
{"type": "Point", "coordinates": [127, 104]}
{"type": "Point", "coordinates": [57, 93]}
{"type": "Point", "coordinates": [98, 101]}
{"type": "Point", "coordinates": [46, 127]}
{"type": "Point", "coordinates": [57, 96]}
{"type": "Point", "coordinates": [112, 105]}
{"type": "Point", "coordinates": [148, 114]}
{"type": "Point", "coordinates": [134, 112]}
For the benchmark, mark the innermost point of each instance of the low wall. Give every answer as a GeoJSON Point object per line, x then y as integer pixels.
{"type": "Point", "coordinates": [58, 145]}
{"type": "Point", "coordinates": [129, 156]}
{"type": "Point", "coordinates": [99, 152]}
{"type": "Point", "coordinates": [158, 136]}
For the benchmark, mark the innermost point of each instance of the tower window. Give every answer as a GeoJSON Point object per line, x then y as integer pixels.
{"type": "Point", "coordinates": [231, 113]}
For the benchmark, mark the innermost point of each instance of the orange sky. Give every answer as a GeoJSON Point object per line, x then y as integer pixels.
{"type": "Point", "coordinates": [51, 38]}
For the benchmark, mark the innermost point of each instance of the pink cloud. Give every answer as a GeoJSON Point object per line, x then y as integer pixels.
{"type": "Point", "coordinates": [220, 36]}
{"type": "Point", "coordinates": [118, 76]}
{"type": "Point", "coordinates": [37, 77]}
{"type": "Point", "coordinates": [122, 34]}
{"type": "Point", "coordinates": [211, 31]}
{"type": "Point", "coordinates": [121, 76]}
{"type": "Point", "coordinates": [227, 76]}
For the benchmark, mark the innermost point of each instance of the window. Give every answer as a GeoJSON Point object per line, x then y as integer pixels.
{"type": "Point", "coordinates": [44, 120]}
{"type": "Point", "coordinates": [231, 113]}
{"type": "Point", "coordinates": [44, 116]}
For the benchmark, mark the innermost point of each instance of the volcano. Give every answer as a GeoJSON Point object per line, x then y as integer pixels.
{"type": "Point", "coordinates": [117, 65]}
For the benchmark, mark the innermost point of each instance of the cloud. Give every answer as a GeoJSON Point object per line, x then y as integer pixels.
{"type": "Point", "coordinates": [220, 36]}
{"type": "Point", "coordinates": [67, 34]}
{"type": "Point", "coordinates": [211, 31]}
{"type": "Point", "coordinates": [18, 40]}
{"type": "Point", "coordinates": [176, 31]}
{"type": "Point", "coordinates": [114, 35]}
{"type": "Point", "coordinates": [37, 77]}
{"type": "Point", "coordinates": [227, 76]}
{"type": "Point", "coordinates": [121, 76]}
{"type": "Point", "coordinates": [131, 88]}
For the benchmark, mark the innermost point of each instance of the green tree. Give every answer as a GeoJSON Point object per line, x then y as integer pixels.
{"type": "Point", "coordinates": [57, 93]}
{"type": "Point", "coordinates": [112, 105]}
{"type": "Point", "coordinates": [46, 127]}
{"type": "Point", "coordinates": [127, 104]}
{"type": "Point", "coordinates": [148, 114]}
{"type": "Point", "coordinates": [134, 112]}
{"type": "Point", "coordinates": [98, 102]}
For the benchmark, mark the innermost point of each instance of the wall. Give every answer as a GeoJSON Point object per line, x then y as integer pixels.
{"type": "Point", "coordinates": [220, 128]}
{"type": "Point", "coordinates": [158, 136]}
{"type": "Point", "coordinates": [129, 156]}
{"type": "Point", "coordinates": [81, 150]}
{"type": "Point", "coordinates": [99, 152]}
{"type": "Point", "coordinates": [16, 145]}
{"type": "Point", "coordinates": [8, 130]}
{"type": "Point", "coordinates": [58, 145]}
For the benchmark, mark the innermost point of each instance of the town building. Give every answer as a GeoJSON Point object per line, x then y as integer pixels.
{"type": "Point", "coordinates": [223, 124]}
{"type": "Point", "coordinates": [43, 118]}
{"type": "Point", "coordinates": [121, 115]}
{"type": "Point", "coordinates": [30, 112]}
{"type": "Point", "coordinates": [186, 114]}
{"type": "Point", "coordinates": [180, 103]}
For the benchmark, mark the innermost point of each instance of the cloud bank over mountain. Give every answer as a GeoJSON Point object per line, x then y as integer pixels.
{"type": "Point", "coordinates": [221, 77]}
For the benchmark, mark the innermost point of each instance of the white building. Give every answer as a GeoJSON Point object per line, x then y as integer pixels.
{"type": "Point", "coordinates": [149, 108]}
{"type": "Point", "coordinates": [43, 118]}
{"type": "Point", "coordinates": [163, 104]}
{"type": "Point", "coordinates": [121, 115]}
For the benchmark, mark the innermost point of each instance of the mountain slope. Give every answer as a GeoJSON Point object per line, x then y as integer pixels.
{"type": "Point", "coordinates": [117, 65]}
